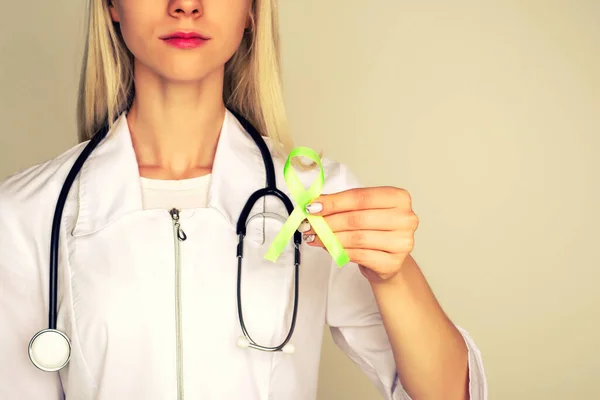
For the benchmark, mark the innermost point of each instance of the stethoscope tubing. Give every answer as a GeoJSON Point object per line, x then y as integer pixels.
{"type": "Point", "coordinates": [56, 222]}
{"type": "Point", "coordinates": [269, 190]}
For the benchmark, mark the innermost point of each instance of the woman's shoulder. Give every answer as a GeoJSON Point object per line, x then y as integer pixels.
{"type": "Point", "coordinates": [338, 176]}
{"type": "Point", "coordinates": [38, 184]}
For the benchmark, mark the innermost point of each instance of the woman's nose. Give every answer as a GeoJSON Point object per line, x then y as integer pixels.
{"type": "Point", "coordinates": [186, 8]}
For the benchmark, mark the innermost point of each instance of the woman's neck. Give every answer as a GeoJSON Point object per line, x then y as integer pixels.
{"type": "Point", "coordinates": [175, 127]}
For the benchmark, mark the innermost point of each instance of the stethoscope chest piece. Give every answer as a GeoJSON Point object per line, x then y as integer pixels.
{"type": "Point", "coordinates": [50, 350]}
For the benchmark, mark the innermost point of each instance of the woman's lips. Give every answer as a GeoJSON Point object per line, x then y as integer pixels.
{"type": "Point", "coordinates": [185, 40]}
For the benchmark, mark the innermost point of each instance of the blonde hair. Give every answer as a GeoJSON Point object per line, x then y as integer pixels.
{"type": "Point", "coordinates": [252, 84]}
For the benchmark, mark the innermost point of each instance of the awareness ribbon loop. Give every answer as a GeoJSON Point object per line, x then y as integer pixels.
{"type": "Point", "coordinates": [303, 197]}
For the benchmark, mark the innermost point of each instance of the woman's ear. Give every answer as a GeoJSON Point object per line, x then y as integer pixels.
{"type": "Point", "coordinates": [114, 15]}
{"type": "Point", "coordinates": [250, 22]}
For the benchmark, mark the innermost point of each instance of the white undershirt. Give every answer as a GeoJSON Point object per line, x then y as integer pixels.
{"type": "Point", "coordinates": [181, 194]}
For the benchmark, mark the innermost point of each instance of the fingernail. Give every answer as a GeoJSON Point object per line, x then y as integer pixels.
{"type": "Point", "coordinates": [309, 238]}
{"type": "Point", "coordinates": [304, 226]}
{"type": "Point", "coordinates": [314, 208]}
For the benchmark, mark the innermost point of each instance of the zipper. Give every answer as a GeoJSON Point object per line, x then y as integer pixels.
{"type": "Point", "coordinates": [179, 236]}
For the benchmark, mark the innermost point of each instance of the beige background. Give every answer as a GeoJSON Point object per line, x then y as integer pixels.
{"type": "Point", "coordinates": [487, 112]}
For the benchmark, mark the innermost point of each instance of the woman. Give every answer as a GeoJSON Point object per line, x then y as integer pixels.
{"type": "Point", "coordinates": [147, 264]}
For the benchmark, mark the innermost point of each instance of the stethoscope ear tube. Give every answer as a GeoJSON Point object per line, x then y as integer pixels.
{"type": "Point", "coordinates": [247, 341]}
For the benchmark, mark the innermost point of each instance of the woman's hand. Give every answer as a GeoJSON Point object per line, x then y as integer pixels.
{"type": "Point", "coordinates": [375, 225]}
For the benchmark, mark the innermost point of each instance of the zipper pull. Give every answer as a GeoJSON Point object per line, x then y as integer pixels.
{"type": "Point", "coordinates": [175, 216]}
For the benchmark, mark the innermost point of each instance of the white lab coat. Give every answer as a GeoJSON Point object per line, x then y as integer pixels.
{"type": "Point", "coordinates": [117, 290]}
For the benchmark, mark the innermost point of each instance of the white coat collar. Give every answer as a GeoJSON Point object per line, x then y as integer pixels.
{"type": "Point", "coordinates": [109, 182]}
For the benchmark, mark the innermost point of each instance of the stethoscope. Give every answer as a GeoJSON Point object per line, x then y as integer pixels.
{"type": "Point", "coordinates": [50, 349]}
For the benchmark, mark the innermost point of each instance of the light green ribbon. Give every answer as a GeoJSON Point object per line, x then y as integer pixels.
{"type": "Point", "coordinates": [303, 198]}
